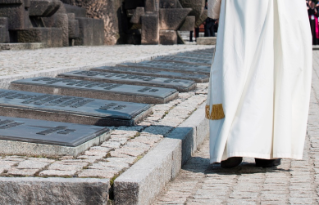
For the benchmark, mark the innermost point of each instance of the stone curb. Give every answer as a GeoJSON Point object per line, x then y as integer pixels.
{"type": "Point", "coordinates": [31, 190]}
{"type": "Point", "coordinates": [6, 80]}
{"type": "Point", "coordinates": [141, 183]}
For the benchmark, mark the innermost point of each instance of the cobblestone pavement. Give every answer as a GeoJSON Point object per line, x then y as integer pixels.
{"type": "Point", "coordinates": [125, 146]}
{"type": "Point", "coordinates": [25, 61]}
{"type": "Point", "coordinates": [293, 182]}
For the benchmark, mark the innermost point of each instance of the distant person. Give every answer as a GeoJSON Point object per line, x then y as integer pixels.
{"type": "Point", "coordinates": [209, 25]}
{"type": "Point", "coordinates": [260, 81]}
{"type": "Point", "coordinates": [313, 19]}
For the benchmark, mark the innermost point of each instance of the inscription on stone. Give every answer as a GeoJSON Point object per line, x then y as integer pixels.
{"type": "Point", "coordinates": [168, 66]}
{"type": "Point", "coordinates": [196, 56]}
{"type": "Point", "coordinates": [184, 60]}
{"type": "Point", "coordinates": [91, 89]}
{"type": "Point", "coordinates": [131, 79]}
{"type": "Point", "coordinates": [47, 138]}
{"type": "Point", "coordinates": [68, 109]}
{"type": "Point", "coordinates": [157, 73]}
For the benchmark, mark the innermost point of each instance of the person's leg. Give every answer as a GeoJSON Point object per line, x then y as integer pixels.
{"type": "Point", "coordinates": [191, 36]}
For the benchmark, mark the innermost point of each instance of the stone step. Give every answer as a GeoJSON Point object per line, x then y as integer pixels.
{"type": "Point", "coordinates": [71, 109]}
{"type": "Point", "coordinates": [198, 78]}
{"type": "Point", "coordinates": [169, 66]}
{"type": "Point", "coordinates": [89, 89]}
{"type": "Point", "coordinates": [131, 79]}
{"type": "Point", "coordinates": [21, 136]}
{"type": "Point", "coordinates": [181, 59]}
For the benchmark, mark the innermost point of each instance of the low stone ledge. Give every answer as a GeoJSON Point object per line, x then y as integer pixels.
{"type": "Point", "coordinates": [75, 191]}
{"type": "Point", "coordinates": [21, 46]}
{"type": "Point", "coordinates": [147, 178]}
{"type": "Point", "coordinates": [206, 41]}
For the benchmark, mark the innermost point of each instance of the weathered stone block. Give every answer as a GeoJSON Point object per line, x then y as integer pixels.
{"type": "Point", "coordinates": [168, 4]}
{"type": "Point", "coordinates": [85, 32]}
{"type": "Point", "coordinates": [59, 20]}
{"type": "Point", "coordinates": [4, 33]}
{"type": "Point", "coordinates": [52, 37]}
{"type": "Point", "coordinates": [150, 29]}
{"type": "Point", "coordinates": [151, 6]}
{"type": "Point", "coordinates": [188, 24]}
{"type": "Point", "coordinates": [98, 32]}
{"type": "Point", "coordinates": [168, 37]}
{"type": "Point", "coordinates": [206, 41]}
{"type": "Point", "coordinates": [171, 19]}
{"type": "Point", "coordinates": [54, 191]}
{"type": "Point", "coordinates": [16, 14]}
{"type": "Point", "coordinates": [43, 8]}
{"type": "Point", "coordinates": [138, 13]}
{"type": "Point", "coordinates": [78, 11]}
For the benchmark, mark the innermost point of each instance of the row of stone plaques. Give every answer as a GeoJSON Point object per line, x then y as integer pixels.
{"type": "Point", "coordinates": [70, 109]}
{"type": "Point", "coordinates": [99, 90]}
{"type": "Point", "coordinates": [169, 66]}
{"type": "Point", "coordinates": [21, 136]}
{"type": "Point", "coordinates": [198, 78]}
{"type": "Point", "coordinates": [131, 79]}
{"type": "Point", "coordinates": [181, 59]}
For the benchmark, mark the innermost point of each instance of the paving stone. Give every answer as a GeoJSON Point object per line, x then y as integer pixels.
{"type": "Point", "coordinates": [129, 160]}
{"type": "Point", "coordinates": [57, 173]}
{"type": "Point", "coordinates": [34, 164]}
{"type": "Point", "coordinates": [96, 173]}
{"type": "Point", "coordinates": [22, 172]}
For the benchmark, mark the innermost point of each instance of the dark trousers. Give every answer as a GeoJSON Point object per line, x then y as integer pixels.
{"type": "Point", "coordinates": [191, 34]}
{"type": "Point", "coordinates": [210, 28]}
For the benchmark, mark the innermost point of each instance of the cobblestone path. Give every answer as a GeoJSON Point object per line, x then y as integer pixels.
{"type": "Point", "coordinates": [293, 182]}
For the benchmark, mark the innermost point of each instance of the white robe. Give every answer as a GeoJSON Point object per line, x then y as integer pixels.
{"type": "Point", "coordinates": [261, 76]}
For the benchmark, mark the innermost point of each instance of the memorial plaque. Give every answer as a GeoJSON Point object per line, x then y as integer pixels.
{"type": "Point", "coordinates": [23, 136]}
{"type": "Point", "coordinates": [184, 60]}
{"type": "Point", "coordinates": [168, 66]}
{"type": "Point", "coordinates": [196, 55]}
{"type": "Point", "coordinates": [198, 78]}
{"type": "Point", "coordinates": [131, 79]}
{"type": "Point", "coordinates": [89, 89]}
{"type": "Point", "coordinates": [71, 109]}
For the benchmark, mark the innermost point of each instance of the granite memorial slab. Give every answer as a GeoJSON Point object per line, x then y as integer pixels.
{"type": "Point", "coordinates": [184, 60]}
{"type": "Point", "coordinates": [196, 55]}
{"type": "Point", "coordinates": [169, 66]}
{"type": "Point", "coordinates": [89, 89]}
{"type": "Point", "coordinates": [21, 136]}
{"type": "Point", "coordinates": [131, 79]}
{"type": "Point", "coordinates": [198, 78]}
{"type": "Point", "coordinates": [71, 109]}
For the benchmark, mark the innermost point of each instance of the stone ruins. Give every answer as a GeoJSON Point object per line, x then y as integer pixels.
{"type": "Point", "coordinates": [56, 23]}
{"type": "Point", "coordinates": [50, 22]}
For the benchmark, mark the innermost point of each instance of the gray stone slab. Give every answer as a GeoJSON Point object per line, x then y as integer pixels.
{"type": "Point", "coordinates": [141, 183]}
{"type": "Point", "coordinates": [184, 60]}
{"type": "Point", "coordinates": [196, 55]}
{"type": "Point", "coordinates": [131, 79]}
{"type": "Point", "coordinates": [206, 41]}
{"type": "Point", "coordinates": [72, 191]}
{"type": "Point", "coordinates": [106, 91]}
{"type": "Point", "coordinates": [21, 136]}
{"type": "Point", "coordinates": [71, 109]}
{"type": "Point", "coordinates": [169, 66]}
{"type": "Point", "coordinates": [199, 78]}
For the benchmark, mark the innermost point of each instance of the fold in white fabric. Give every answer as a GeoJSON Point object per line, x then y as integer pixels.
{"type": "Point", "coordinates": [261, 76]}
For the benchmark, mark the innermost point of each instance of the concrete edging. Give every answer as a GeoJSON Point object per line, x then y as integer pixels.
{"type": "Point", "coordinates": [141, 183]}
{"type": "Point", "coordinates": [31, 190]}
